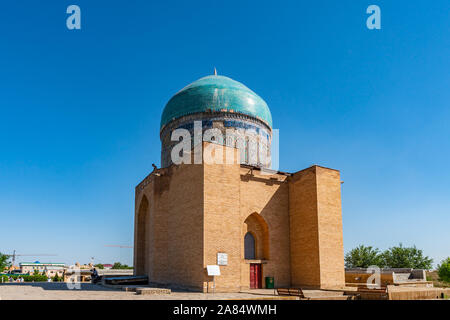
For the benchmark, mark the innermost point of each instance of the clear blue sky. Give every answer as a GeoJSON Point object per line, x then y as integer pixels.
{"type": "Point", "coordinates": [80, 110]}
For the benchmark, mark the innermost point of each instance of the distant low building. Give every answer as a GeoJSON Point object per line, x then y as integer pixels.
{"type": "Point", "coordinates": [50, 269]}
{"type": "Point", "coordinates": [107, 266]}
{"type": "Point", "coordinates": [11, 269]}
{"type": "Point", "coordinates": [76, 274]}
{"type": "Point", "coordinates": [88, 266]}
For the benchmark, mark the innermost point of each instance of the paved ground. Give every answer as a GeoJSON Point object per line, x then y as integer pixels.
{"type": "Point", "coordinates": [59, 291]}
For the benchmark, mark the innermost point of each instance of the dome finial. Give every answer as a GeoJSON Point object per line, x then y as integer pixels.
{"type": "Point", "coordinates": [215, 71]}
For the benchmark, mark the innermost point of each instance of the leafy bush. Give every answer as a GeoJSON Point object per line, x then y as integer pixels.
{"type": "Point", "coordinates": [26, 278]}
{"type": "Point", "coordinates": [38, 278]}
{"type": "Point", "coordinates": [444, 270]}
{"type": "Point", "coordinates": [118, 265]}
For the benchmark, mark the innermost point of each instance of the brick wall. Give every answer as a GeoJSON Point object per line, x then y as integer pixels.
{"type": "Point", "coordinates": [304, 235]}
{"type": "Point", "coordinates": [267, 196]}
{"type": "Point", "coordinates": [317, 256]}
{"type": "Point", "coordinates": [175, 226]}
{"type": "Point", "coordinates": [222, 230]}
{"type": "Point", "coordinates": [331, 243]}
{"type": "Point", "coordinates": [197, 211]}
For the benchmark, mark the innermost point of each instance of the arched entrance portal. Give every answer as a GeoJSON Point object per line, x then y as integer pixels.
{"type": "Point", "coordinates": [141, 241]}
{"type": "Point", "coordinates": [256, 247]}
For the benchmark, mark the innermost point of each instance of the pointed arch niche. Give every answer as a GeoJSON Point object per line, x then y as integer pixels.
{"type": "Point", "coordinates": [142, 236]}
{"type": "Point", "coordinates": [256, 238]}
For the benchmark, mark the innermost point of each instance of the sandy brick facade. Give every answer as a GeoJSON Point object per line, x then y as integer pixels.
{"type": "Point", "coordinates": [316, 240]}
{"type": "Point", "coordinates": [187, 214]}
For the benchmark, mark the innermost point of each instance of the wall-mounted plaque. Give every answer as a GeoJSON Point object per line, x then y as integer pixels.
{"type": "Point", "coordinates": [222, 259]}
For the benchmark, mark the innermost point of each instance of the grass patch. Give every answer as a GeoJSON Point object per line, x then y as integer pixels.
{"type": "Point", "coordinates": [438, 283]}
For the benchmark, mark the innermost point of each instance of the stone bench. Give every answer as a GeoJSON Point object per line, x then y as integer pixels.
{"type": "Point", "coordinates": [290, 292]}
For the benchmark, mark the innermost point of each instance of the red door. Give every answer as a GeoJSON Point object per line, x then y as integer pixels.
{"type": "Point", "coordinates": [255, 276]}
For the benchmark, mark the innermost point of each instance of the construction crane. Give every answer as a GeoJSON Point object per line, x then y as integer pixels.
{"type": "Point", "coordinates": [14, 255]}
{"type": "Point", "coordinates": [117, 246]}
{"type": "Point", "coordinates": [120, 247]}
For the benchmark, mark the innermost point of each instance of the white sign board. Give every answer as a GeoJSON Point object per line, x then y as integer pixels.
{"type": "Point", "coordinates": [222, 259]}
{"type": "Point", "coordinates": [213, 270]}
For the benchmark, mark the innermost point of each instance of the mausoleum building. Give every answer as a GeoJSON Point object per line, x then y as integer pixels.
{"type": "Point", "coordinates": [251, 221]}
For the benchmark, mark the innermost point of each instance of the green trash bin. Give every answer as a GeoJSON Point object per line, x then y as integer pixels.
{"type": "Point", "coordinates": [269, 282]}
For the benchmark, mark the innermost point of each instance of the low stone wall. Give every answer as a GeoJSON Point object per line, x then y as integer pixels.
{"type": "Point", "coordinates": [388, 275]}
{"type": "Point", "coordinates": [361, 277]}
{"type": "Point", "coordinates": [419, 274]}
{"type": "Point", "coordinates": [408, 293]}
{"type": "Point", "coordinates": [115, 272]}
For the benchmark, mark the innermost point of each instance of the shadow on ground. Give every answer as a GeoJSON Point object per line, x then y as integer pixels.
{"type": "Point", "coordinates": [60, 286]}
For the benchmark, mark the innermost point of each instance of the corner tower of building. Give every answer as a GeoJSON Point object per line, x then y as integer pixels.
{"type": "Point", "coordinates": [234, 115]}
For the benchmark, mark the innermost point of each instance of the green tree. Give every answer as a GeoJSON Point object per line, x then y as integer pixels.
{"type": "Point", "coordinates": [363, 257]}
{"type": "Point", "coordinates": [444, 270]}
{"type": "Point", "coordinates": [4, 262]}
{"type": "Point", "coordinates": [118, 265]}
{"type": "Point", "coordinates": [406, 257]}
{"type": "Point", "coordinates": [99, 266]}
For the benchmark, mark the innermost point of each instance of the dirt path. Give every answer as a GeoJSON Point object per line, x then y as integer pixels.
{"type": "Point", "coordinates": [60, 291]}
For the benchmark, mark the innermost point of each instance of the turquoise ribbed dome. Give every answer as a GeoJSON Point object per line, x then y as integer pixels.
{"type": "Point", "coordinates": [216, 93]}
